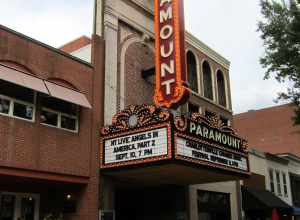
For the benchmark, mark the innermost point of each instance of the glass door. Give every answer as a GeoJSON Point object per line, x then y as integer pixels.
{"type": "Point", "coordinates": [27, 208]}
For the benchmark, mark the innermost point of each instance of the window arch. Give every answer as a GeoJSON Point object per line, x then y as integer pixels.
{"type": "Point", "coordinates": [192, 71]}
{"type": "Point", "coordinates": [221, 88]}
{"type": "Point", "coordinates": [207, 80]}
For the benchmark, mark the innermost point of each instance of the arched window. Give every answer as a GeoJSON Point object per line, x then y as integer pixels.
{"type": "Point", "coordinates": [221, 88]}
{"type": "Point", "coordinates": [192, 71]}
{"type": "Point", "coordinates": [207, 80]}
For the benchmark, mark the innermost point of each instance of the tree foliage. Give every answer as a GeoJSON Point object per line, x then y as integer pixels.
{"type": "Point", "coordinates": [280, 31]}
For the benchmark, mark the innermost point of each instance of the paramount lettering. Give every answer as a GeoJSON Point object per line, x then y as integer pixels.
{"type": "Point", "coordinates": [215, 135]}
{"type": "Point", "coordinates": [170, 54]}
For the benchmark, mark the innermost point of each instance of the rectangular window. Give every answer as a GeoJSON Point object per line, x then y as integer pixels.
{"type": "Point", "coordinates": [58, 113]}
{"type": "Point", "coordinates": [271, 175]}
{"type": "Point", "coordinates": [17, 101]}
{"type": "Point", "coordinates": [284, 185]}
{"type": "Point", "coordinates": [59, 120]}
{"type": "Point", "coordinates": [69, 122]}
{"type": "Point", "coordinates": [4, 105]}
{"type": "Point", "coordinates": [49, 118]}
{"type": "Point", "coordinates": [22, 110]}
{"type": "Point", "coordinates": [278, 183]}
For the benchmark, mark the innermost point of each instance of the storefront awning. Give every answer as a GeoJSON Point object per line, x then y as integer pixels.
{"type": "Point", "coordinates": [29, 81]}
{"type": "Point", "coordinates": [67, 94]}
{"type": "Point", "coordinates": [296, 211]}
{"type": "Point", "coordinates": [22, 79]}
{"type": "Point", "coordinates": [260, 200]}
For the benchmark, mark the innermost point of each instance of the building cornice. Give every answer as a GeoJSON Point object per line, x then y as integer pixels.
{"type": "Point", "coordinates": [199, 45]}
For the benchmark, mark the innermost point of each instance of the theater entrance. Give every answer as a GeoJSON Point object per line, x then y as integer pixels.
{"type": "Point", "coordinates": [159, 203]}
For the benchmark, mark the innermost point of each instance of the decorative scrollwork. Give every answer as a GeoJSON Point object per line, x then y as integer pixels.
{"type": "Point", "coordinates": [135, 117]}
{"type": "Point", "coordinates": [213, 121]}
{"type": "Point", "coordinates": [180, 123]}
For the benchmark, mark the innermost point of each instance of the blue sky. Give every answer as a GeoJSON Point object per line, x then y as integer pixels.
{"type": "Point", "coordinates": [229, 27]}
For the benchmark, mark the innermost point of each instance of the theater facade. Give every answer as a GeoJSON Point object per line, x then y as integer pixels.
{"type": "Point", "coordinates": [140, 127]}
{"type": "Point", "coordinates": [168, 149]}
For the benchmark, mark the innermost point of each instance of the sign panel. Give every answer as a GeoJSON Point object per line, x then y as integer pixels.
{"type": "Point", "coordinates": [133, 147]}
{"type": "Point", "coordinates": [200, 151]}
{"type": "Point", "coordinates": [171, 73]}
{"type": "Point", "coordinates": [208, 133]}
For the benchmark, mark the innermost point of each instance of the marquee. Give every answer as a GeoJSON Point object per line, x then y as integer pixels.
{"type": "Point", "coordinates": [145, 135]}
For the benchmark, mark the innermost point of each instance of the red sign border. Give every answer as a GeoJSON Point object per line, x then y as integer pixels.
{"type": "Point", "coordinates": [181, 92]}
{"type": "Point", "coordinates": [138, 161]}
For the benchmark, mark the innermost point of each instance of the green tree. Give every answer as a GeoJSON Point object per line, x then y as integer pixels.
{"type": "Point", "coordinates": [280, 31]}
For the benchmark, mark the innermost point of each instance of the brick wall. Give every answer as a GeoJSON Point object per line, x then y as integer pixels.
{"type": "Point", "coordinates": [33, 146]}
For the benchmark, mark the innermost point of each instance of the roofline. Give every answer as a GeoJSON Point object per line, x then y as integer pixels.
{"type": "Point", "coordinates": [266, 108]}
{"type": "Point", "coordinates": [75, 40]}
{"type": "Point", "coordinates": [198, 44]}
{"type": "Point", "coordinates": [290, 156]}
{"type": "Point", "coordinates": [274, 157]}
{"type": "Point", "coordinates": [45, 46]}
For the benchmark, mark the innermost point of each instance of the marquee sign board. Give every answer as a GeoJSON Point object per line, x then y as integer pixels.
{"type": "Point", "coordinates": [137, 146]}
{"type": "Point", "coordinates": [156, 136]}
{"type": "Point", "coordinates": [200, 152]}
{"type": "Point", "coordinates": [171, 73]}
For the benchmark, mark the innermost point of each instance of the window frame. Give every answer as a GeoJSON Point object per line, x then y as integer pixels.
{"type": "Point", "coordinates": [272, 182]}
{"type": "Point", "coordinates": [11, 107]}
{"type": "Point", "coordinates": [278, 182]}
{"type": "Point", "coordinates": [59, 114]}
{"type": "Point", "coordinates": [219, 71]}
{"type": "Point", "coordinates": [213, 99]}
{"type": "Point", "coordinates": [198, 77]}
{"type": "Point", "coordinates": [284, 183]}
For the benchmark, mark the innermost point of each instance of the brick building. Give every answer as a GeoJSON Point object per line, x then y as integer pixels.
{"type": "Point", "coordinates": [275, 143]}
{"type": "Point", "coordinates": [49, 112]}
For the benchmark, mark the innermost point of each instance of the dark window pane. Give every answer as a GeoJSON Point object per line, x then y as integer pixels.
{"type": "Point", "coordinates": [207, 81]}
{"type": "Point", "coordinates": [271, 181]}
{"type": "Point", "coordinates": [49, 118]}
{"type": "Point", "coordinates": [221, 89]}
{"type": "Point", "coordinates": [23, 111]}
{"type": "Point", "coordinates": [68, 123]}
{"type": "Point", "coordinates": [4, 106]}
{"type": "Point", "coordinates": [17, 92]}
{"type": "Point", "coordinates": [192, 71]}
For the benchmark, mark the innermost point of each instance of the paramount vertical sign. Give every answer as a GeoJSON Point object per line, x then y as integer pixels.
{"type": "Point", "coordinates": [171, 74]}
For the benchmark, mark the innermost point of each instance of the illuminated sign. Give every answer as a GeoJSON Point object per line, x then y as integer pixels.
{"type": "Point", "coordinates": [203, 131]}
{"type": "Point", "coordinates": [136, 146]}
{"type": "Point", "coordinates": [147, 135]}
{"type": "Point", "coordinates": [171, 73]}
{"type": "Point", "coordinates": [201, 152]}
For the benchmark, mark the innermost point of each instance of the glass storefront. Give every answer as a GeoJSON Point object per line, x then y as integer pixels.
{"type": "Point", "coordinates": [17, 206]}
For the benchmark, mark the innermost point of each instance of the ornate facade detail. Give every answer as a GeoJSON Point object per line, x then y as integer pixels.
{"type": "Point", "coordinates": [180, 123]}
{"type": "Point", "coordinates": [212, 121]}
{"type": "Point", "coordinates": [135, 117]}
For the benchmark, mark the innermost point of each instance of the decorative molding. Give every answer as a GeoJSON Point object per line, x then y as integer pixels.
{"type": "Point", "coordinates": [198, 44]}
{"type": "Point", "coordinates": [136, 117]}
